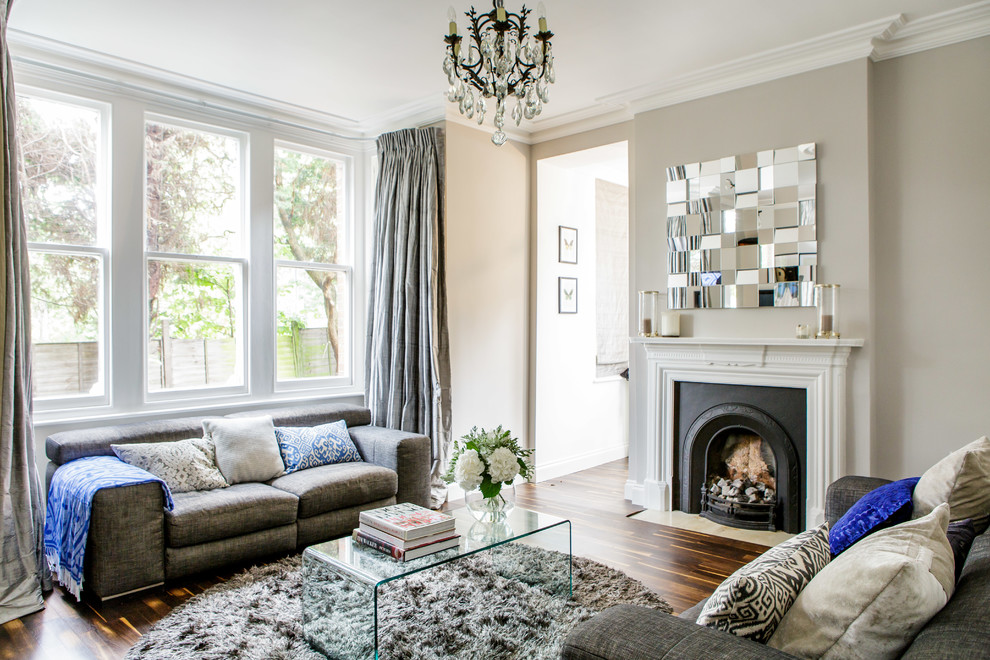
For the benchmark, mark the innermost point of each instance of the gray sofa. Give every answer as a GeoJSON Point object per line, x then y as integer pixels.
{"type": "Point", "coordinates": [134, 543]}
{"type": "Point", "coordinates": [629, 632]}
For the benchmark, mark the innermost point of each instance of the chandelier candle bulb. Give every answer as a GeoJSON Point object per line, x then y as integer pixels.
{"type": "Point", "coordinates": [452, 19]}
{"type": "Point", "coordinates": [541, 12]}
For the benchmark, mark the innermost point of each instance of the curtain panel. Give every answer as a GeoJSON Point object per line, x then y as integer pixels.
{"type": "Point", "coordinates": [408, 356]}
{"type": "Point", "coordinates": [22, 511]}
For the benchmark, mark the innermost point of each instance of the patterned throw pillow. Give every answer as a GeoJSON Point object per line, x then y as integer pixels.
{"type": "Point", "coordinates": [753, 600]}
{"type": "Point", "coordinates": [311, 446]}
{"type": "Point", "coordinates": [882, 507]}
{"type": "Point", "coordinates": [185, 465]}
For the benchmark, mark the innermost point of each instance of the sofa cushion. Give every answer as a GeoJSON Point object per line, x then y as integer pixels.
{"type": "Point", "coordinates": [209, 515]}
{"type": "Point", "coordinates": [184, 465]}
{"type": "Point", "coordinates": [962, 479]}
{"type": "Point", "coordinates": [960, 629]}
{"type": "Point", "coordinates": [331, 487]}
{"type": "Point", "coordinates": [870, 601]}
{"type": "Point", "coordinates": [882, 507]}
{"type": "Point", "coordinates": [305, 447]}
{"type": "Point", "coordinates": [751, 602]}
{"type": "Point", "coordinates": [246, 448]}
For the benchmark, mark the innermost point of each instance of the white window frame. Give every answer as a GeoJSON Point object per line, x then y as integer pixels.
{"type": "Point", "coordinates": [345, 266]}
{"type": "Point", "coordinates": [243, 261]}
{"type": "Point", "coordinates": [99, 250]}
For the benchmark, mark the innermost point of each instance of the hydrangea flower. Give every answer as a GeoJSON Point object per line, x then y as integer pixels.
{"type": "Point", "coordinates": [469, 469]}
{"type": "Point", "coordinates": [503, 465]}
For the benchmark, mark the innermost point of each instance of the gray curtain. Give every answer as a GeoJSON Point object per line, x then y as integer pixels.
{"type": "Point", "coordinates": [22, 511]}
{"type": "Point", "coordinates": [408, 359]}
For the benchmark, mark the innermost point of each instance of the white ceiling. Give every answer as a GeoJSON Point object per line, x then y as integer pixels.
{"type": "Point", "coordinates": [363, 61]}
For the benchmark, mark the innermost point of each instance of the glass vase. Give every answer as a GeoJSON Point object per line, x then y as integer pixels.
{"type": "Point", "coordinates": [489, 509]}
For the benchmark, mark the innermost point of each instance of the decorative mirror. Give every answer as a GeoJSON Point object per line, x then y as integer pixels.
{"type": "Point", "coordinates": [741, 231]}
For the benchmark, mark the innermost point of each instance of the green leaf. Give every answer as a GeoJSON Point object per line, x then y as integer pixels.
{"type": "Point", "coordinates": [490, 489]}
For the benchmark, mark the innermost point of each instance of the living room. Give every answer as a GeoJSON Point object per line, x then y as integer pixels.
{"type": "Point", "coordinates": [893, 96]}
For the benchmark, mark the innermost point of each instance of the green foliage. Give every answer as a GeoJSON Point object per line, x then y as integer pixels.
{"type": "Point", "coordinates": [485, 442]}
{"type": "Point", "coordinates": [198, 300]}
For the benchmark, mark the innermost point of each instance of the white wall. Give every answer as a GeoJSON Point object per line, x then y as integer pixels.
{"type": "Point", "coordinates": [580, 420]}
{"type": "Point", "coordinates": [487, 281]}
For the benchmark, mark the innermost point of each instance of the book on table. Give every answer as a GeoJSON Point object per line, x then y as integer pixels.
{"type": "Point", "coordinates": [407, 521]}
{"type": "Point", "coordinates": [402, 543]}
{"type": "Point", "coordinates": [405, 553]}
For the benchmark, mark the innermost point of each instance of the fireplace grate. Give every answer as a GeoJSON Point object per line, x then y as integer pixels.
{"type": "Point", "coordinates": [738, 514]}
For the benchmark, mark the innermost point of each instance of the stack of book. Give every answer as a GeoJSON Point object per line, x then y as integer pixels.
{"type": "Point", "coordinates": [406, 531]}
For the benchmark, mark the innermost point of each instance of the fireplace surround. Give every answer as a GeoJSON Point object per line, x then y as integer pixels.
{"type": "Point", "coordinates": [815, 367]}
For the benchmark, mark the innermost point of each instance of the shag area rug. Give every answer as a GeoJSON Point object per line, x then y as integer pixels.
{"type": "Point", "coordinates": [462, 610]}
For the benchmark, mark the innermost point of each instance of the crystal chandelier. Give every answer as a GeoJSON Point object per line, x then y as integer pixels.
{"type": "Point", "coordinates": [499, 60]}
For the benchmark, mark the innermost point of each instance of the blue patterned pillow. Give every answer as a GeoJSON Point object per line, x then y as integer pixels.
{"type": "Point", "coordinates": [882, 507]}
{"type": "Point", "coordinates": [311, 446]}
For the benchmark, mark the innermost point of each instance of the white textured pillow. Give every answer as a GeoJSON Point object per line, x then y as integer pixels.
{"type": "Point", "coordinates": [962, 479]}
{"type": "Point", "coordinates": [246, 448]}
{"type": "Point", "coordinates": [184, 465]}
{"type": "Point", "coordinates": [871, 600]}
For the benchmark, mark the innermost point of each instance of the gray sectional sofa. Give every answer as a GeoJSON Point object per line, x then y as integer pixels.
{"type": "Point", "coordinates": [134, 543]}
{"type": "Point", "coordinates": [630, 632]}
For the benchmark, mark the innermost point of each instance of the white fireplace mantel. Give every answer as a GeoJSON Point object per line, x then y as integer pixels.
{"type": "Point", "coordinates": [816, 365]}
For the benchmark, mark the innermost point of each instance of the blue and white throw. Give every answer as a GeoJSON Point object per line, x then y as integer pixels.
{"type": "Point", "coordinates": [311, 446]}
{"type": "Point", "coordinates": [70, 500]}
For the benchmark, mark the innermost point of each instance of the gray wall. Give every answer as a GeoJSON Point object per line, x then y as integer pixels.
{"type": "Point", "coordinates": [931, 174]}
{"type": "Point", "coordinates": [830, 107]}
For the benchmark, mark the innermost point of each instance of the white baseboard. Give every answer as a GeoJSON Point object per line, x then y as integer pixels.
{"type": "Point", "coordinates": [557, 469]}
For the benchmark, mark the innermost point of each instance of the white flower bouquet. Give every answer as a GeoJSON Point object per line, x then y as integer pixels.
{"type": "Point", "coordinates": [487, 460]}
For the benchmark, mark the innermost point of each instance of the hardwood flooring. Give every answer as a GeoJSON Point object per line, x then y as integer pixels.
{"type": "Point", "coordinates": [681, 565]}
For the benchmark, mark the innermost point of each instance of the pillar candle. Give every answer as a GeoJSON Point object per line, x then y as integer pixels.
{"type": "Point", "coordinates": [670, 324]}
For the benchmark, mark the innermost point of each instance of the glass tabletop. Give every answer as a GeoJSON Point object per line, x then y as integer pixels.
{"type": "Point", "coordinates": [372, 567]}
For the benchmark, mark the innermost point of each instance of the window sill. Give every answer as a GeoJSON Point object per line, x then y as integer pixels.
{"type": "Point", "coordinates": [51, 421]}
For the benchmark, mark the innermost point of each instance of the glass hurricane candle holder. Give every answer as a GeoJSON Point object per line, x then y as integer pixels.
{"type": "Point", "coordinates": [648, 306]}
{"type": "Point", "coordinates": [827, 301]}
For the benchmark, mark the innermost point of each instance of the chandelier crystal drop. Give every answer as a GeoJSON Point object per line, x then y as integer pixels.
{"type": "Point", "coordinates": [499, 59]}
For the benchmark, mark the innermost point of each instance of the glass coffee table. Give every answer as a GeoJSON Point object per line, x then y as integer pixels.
{"type": "Point", "coordinates": [342, 580]}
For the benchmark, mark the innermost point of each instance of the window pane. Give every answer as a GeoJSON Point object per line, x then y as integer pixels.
{"type": "Point", "coordinates": [193, 198]}
{"type": "Point", "coordinates": [312, 322]}
{"type": "Point", "coordinates": [194, 325]}
{"type": "Point", "coordinates": [308, 195]}
{"type": "Point", "coordinates": [59, 144]}
{"type": "Point", "coordinates": [65, 324]}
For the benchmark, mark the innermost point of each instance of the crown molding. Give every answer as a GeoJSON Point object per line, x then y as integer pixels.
{"type": "Point", "coordinates": [819, 52]}
{"type": "Point", "coordinates": [55, 61]}
{"type": "Point", "coordinates": [943, 29]}
{"type": "Point", "coordinates": [422, 112]}
{"type": "Point", "coordinates": [514, 133]}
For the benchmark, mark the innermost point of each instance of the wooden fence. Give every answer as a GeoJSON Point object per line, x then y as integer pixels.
{"type": "Point", "coordinates": [62, 369]}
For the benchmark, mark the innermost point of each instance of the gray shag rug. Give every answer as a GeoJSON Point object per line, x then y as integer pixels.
{"type": "Point", "coordinates": [462, 610]}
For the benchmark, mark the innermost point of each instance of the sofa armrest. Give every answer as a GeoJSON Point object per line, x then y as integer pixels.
{"type": "Point", "coordinates": [409, 454]}
{"type": "Point", "coordinates": [843, 493]}
{"type": "Point", "coordinates": [631, 632]}
{"type": "Point", "coordinates": [125, 548]}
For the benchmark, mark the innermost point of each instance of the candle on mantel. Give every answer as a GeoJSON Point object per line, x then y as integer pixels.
{"type": "Point", "coordinates": [670, 324]}
{"type": "Point", "coordinates": [826, 323]}
{"type": "Point", "coordinates": [647, 329]}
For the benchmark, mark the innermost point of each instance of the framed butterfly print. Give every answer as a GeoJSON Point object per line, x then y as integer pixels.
{"type": "Point", "coordinates": [567, 295]}
{"type": "Point", "coordinates": [567, 250]}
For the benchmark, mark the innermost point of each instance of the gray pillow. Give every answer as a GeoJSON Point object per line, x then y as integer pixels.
{"type": "Point", "coordinates": [246, 448]}
{"type": "Point", "coordinates": [184, 465]}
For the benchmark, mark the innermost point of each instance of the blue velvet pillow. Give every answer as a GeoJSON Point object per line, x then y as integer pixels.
{"type": "Point", "coordinates": [883, 507]}
{"type": "Point", "coordinates": [311, 446]}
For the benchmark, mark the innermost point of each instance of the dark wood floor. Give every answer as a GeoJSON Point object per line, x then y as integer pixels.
{"type": "Point", "coordinates": [682, 566]}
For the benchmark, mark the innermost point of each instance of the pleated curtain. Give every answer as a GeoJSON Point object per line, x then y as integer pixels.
{"type": "Point", "coordinates": [22, 511]}
{"type": "Point", "coordinates": [408, 356]}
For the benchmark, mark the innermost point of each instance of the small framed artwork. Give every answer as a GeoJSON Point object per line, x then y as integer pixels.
{"type": "Point", "coordinates": [567, 248]}
{"type": "Point", "coordinates": [567, 295]}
